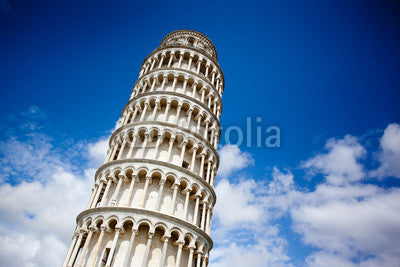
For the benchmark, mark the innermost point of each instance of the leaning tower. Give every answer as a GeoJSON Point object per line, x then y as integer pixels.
{"type": "Point", "coordinates": [153, 198]}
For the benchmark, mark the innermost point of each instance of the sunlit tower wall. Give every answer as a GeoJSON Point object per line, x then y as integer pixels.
{"type": "Point", "coordinates": [153, 198]}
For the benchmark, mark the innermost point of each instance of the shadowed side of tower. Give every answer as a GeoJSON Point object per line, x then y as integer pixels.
{"type": "Point", "coordinates": [152, 201]}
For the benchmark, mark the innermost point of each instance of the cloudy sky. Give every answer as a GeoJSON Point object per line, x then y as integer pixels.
{"type": "Point", "coordinates": [325, 73]}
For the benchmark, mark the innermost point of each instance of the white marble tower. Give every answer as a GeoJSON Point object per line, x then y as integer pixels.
{"type": "Point", "coordinates": [152, 201]}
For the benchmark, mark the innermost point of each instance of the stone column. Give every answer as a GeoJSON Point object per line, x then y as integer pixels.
{"type": "Point", "coordinates": [146, 187]}
{"type": "Point", "coordinates": [213, 77]}
{"type": "Point", "coordinates": [206, 129]}
{"type": "Point", "coordinates": [162, 59]}
{"type": "Point", "coordinates": [199, 117]}
{"type": "Point", "coordinates": [171, 143]}
{"type": "Point", "coordinates": [115, 151]}
{"type": "Point", "coordinates": [175, 187]}
{"type": "Point", "coordinates": [164, 81]}
{"type": "Point", "coordinates": [153, 84]}
{"type": "Point", "coordinates": [203, 91]}
{"type": "Point", "coordinates": [194, 87]}
{"type": "Point", "coordinates": [131, 147]}
{"type": "Point", "coordinates": [164, 251]}
{"type": "Point", "coordinates": [185, 207]}
{"type": "Point", "coordinates": [208, 170]}
{"type": "Point", "coordinates": [130, 248]}
{"type": "Point", "coordinates": [196, 209]}
{"type": "Point", "coordinates": [179, 254]}
{"type": "Point", "coordinates": [205, 258]}
{"type": "Point", "coordinates": [113, 246]}
{"type": "Point", "coordinates": [174, 84]}
{"type": "Point", "coordinates": [116, 192]}
{"type": "Point", "coordinates": [194, 149]}
{"type": "Point", "coordinates": [146, 105]}
{"type": "Point", "coordinates": [180, 60]}
{"type": "Point", "coordinates": [190, 260]}
{"type": "Point", "coordinates": [144, 145]}
{"type": "Point", "coordinates": [203, 156]}
{"type": "Point", "coordinates": [207, 68]}
{"type": "Point", "coordinates": [97, 247]}
{"type": "Point", "coordinates": [153, 116]}
{"type": "Point", "coordinates": [121, 151]}
{"type": "Point", "coordinates": [199, 253]}
{"type": "Point", "coordinates": [71, 247]}
{"type": "Point", "coordinates": [167, 110]}
{"type": "Point", "coordinates": [189, 114]}
{"type": "Point", "coordinates": [170, 59]}
{"type": "Point", "coordinates": [212, 178]}
{"type": "Point", "coordinates": [182, 157]}
{"type": "Point", "coordinates": [147, 251]}
{"type": "Point", "coordinates": [203, 215]}
{"type": "Point", "coordinates": [185, 80]}
{"type": "Point", "coordinates": [99, 189]}
{"type": "Point", "coordinates": [134, 114]}
{"type": "Point", "coordinates": [159, 196]}
{"type": "Point", "coordinates": [178, 111]}
{"type": "Point", "coordinates": [199, 65]}
{"type": "Point", "coordinates": [103, 201]}
{"type": "Point", "coordinates": [207, 228]}
{"type": "Point", "coordinates": [159, 138]}
{"type": "Point", "coordinates": [85, 248]}
{"type": "Point", "coordinates": [76, 248]}
{"type": "Point", "coordinates": [130, 191]}
{"type": "Point", "coordinates": [190, 61]}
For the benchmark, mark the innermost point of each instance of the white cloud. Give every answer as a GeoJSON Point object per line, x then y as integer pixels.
{"type": "Point", "coordinates": [98, 151]}
{"type": "Point", "coordinates": [389, 156]}
{"type": "Point", "coordinates": [41, 194]}
{"type": "Point", "coordinates": [351, 223]}
{"type": "Point", "coordinates": [232, 159]}
{"type": "Point", "coordinates": [268, 250]}
{"type": "Point", "coordinates": [236, 203]}
{"type": "Point", "coordinates": [341, 164]}
{"type": "Point", "coordinates": [242, 231]}
{"type": "Point", "coordinates": [345, 220]}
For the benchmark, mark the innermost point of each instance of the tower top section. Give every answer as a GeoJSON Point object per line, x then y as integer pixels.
{"type": "Point", "coordinates": [190, 38]}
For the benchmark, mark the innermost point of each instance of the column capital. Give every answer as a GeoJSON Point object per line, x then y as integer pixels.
{"type": "Point", "coordinates": [112, 177]}
{"type": "Point", "coordinates": [180, 243]}
{"type": "Point", "coordinates": [119, 229]}
{"type": "Point", "coordinates": [165, 238]}
{"type": "Point", "coordinates": [175, 185]}
{"type": "Point", "coordinates": [184, 142]}
{"type": "Point", "coordinates": [135, 231]}
{"type": "Point", "coordinates": [162, 181]}
{"type": "Point", "coordinates": [187, 190]}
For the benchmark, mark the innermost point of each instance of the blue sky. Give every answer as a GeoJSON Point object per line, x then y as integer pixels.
{"type": "Point", "coordinates": [316, 69]}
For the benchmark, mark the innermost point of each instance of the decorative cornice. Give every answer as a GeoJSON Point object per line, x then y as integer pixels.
{"type": "Point", "coordinates": [155, 93]}
{"type": "Point", "coordinates": [160, 163]}
{"type": "Point", "coordinates": [183, 71]}
{"type": "Point", "coordinates": [137, 123]}
{"type": "Point", "coordinates": [197, 34]}
{"type": "Point", "coordinates": [158, 49]}
{"type": "Point", "coordinates": [164, 216]}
